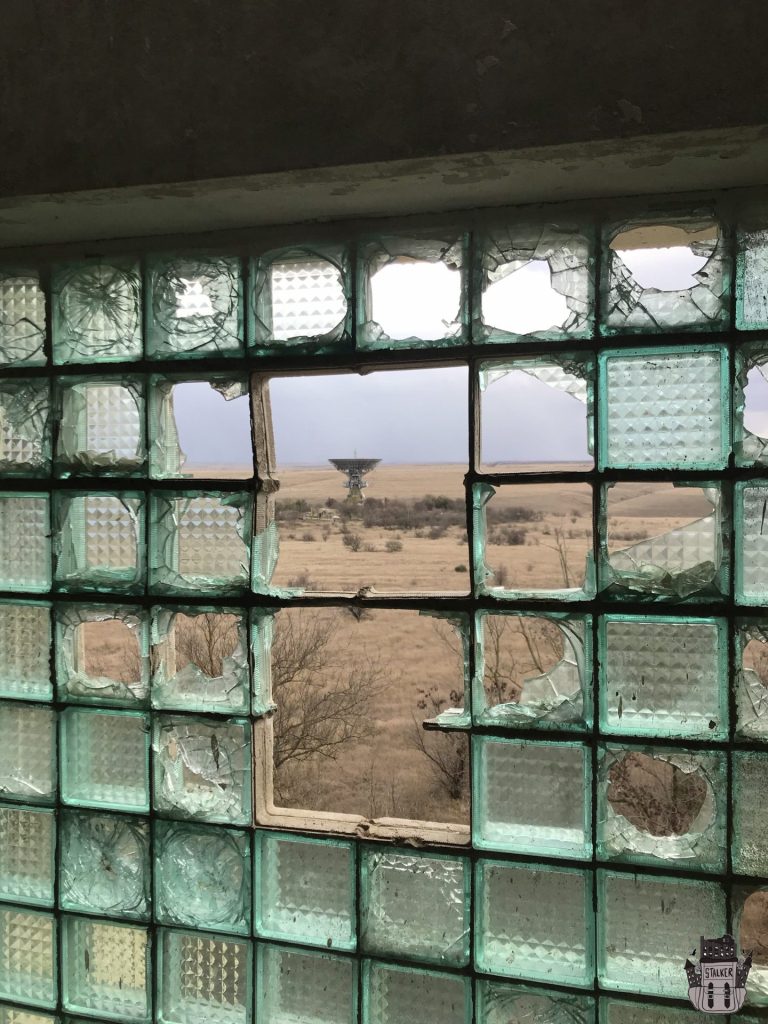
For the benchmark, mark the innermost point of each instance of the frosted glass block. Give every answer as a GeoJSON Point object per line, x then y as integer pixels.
{"type": "Point", "coordinates": [25, 427]}
{"type": "Point", "coordinates": [194, 307]}
{"type": "Point", "coordinates": [750, 813]}
{"type": "Point", "coordinates": [25, 643]}
{"type": "Point", "coordinates": [25, 548]}
{"type": "Point", "coordinates": [531, 797]}
{"type": "Point", "coordinates": [22, 319]}
{"type": "Point", "coordinates": [27, 753]}
{"type": "Point", "coordinates": [99, 542]}
{"type": "Point", "coordinates": [751, 275]}
{"type": "Point", "coordinates": [12, 1015]}
{"type": "Point", "coordinates": [102, 654]}
{"type": "Point", "coordinates": [203, 768]}
{"type": "Point", "coordinates": [295, 985]}
{"type": "Point", "coordinates": [643, 925]}
{"type": "Point", "coordinates": [106, 968]}
{"type": "Point", "coordinates": [101, 429]}
{"type": "Point", "coordinates": [203, 978]}
{"type": "Point", "coordinates": [304, 890]}
{"type": "Point", "coordinates": [27, 844]}
{"type": "Point", "coordinates": [202, 877]}
{"type": "Point", "coordinates": [416, 906]}
{"type": "Point", "coordinates": [96, 312]}
{"type": "Point", "coordinates": [750, 505]}
{"type": "Point", "coordinates": [27, 956]}
{"type": "Point", "coordinates": [534, 922]}
{"type": "Point", "coordinates": [104, 865]}
{"type": "Point", "coordinates": [623, 1011]}
{"type": "Point", "coordinates": [499, 1003]}
{"type": "Point", "coordinates": [664, 676]}
{"type": "Point", "coordinates": [401, 995]}
{"type": "Point", "coordinates": [104, 759]}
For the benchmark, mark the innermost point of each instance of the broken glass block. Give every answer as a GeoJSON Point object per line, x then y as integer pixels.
{"type": "Point", "coordinates": [27, 753]}
{"type": "Point", "coordinates": [101, 427]}
{"type": "Point", "coordinates": [25, 427]}
{"type": "Point", "coordinates": [500, 1003]}
{"type": "Point", "coordinates": [27, 862]}
{"type": "Point", "coordinates": [25, 548]}
{"type": "Point", "coordinates": [102, 654]}
{"type": "Point", "coordinates": [750, 779]}
{"type": "Point", "coordinates": [752, 679]}
{"type": "Point", "coordinates": [104, 757]}
{"type": "Point", "coordinates": [402, 995]}
{"type": "Point", "coordinates": [262, 633]}
{"type": "Point", "coordinates": [750, 422]}
{"type": "Point", "coordinates": [96, 312]}
{"type": "Point", "coordinates": [299, 985]}
{"type": "Point", "coordinates": [751, 273]}
{"type": "Point", "coordinates": [22, 319]}
{"type": "Point", "coordinates": [751, 536]}
{"type": "Point", "coordinates": [99, 541]}
{"type": "Point", "coordinates": [27, 956]}
{"type": "Point", "coordinates": [106, 968]}
{"type": "Point", "coordinates": [750, 905]}
{"type": "Point", "coordinates": [25, 647]}
{"type": "Point", "coordinates": [203, 978]}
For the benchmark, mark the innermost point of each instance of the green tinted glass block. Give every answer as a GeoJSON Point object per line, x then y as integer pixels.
{"type": "Point", "coordinates": [402, 995]}
{"type": "Point", "coordinates": [25, 428]}
{"type": "Point", "coordinates": [531, 797]}
{"type": "Point", "coordinates": [751, 275]}
{"type": "Point", "coordinates": [750, 504]}
{"type": "Point", "coordinates": [194, 307]}
{"type": "Point", "coordinates": [499, 1003]}
{"type": "Point", "coordinates": [663, 408]}
{"type": "Point", "coordinates": [12, 1015]}
{"type": "Point", "coordinates": [104, 759]}
{"type": "Point", "coordinates": [27, 753]}
{"type": "Point", "coordinates": [262, 634]}
{"type": "Point", "coordinates": [96, 312]}
{"type": "Point", "coordinates": [99, 542]}
{"type": "Point", "coordinates": [25, 643]}
{"type": "Point", "coordinates": [304, 890]}
{"type": "Point", "coordinates": [623, 1011]}
{"type": "Point", "coordinates": [750, 904]}
{"type": "Point", "coordinates": [415, 906]}
{"type": "Point", "coordinates": [27, 844]}
{"type": "Point", "coordinates": [104, 865]}
{"type": "Point", "coordinates": [106, 968]}
{"type": "Point", "coordinates": [750, 442]}
{"type": "Point", "coordinates": [664, 676]}
{"type": "Point", "coordinates": [750, 813]}
{"type": "Point", "coordinates": [25, 547]}
{"type": "Point", "coordinates": [203, 978]}
{"type": "Point", "coordinates": [643, 924]}
{"type": "Point", "coordinates": [295, 985]}
{"type": "Point", "coordinates": [22, 319]}
{"type": "Point", "coordinates": [203, 768]}
{"type": "Point", "coordinates": [27, 956]}
{"type": "Point", "coordinates": [534, 922]}
{"type": "Point", "coordinates": [101, 426]}
{"type": "Point", "coordinates": [752, 679]}
{"type": "Point", "coordinates": [202, 877]}
{"type": "Point", "coordinates": [102, 654]}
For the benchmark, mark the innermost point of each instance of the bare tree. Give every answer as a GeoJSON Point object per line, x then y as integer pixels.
{"type": "Point", "coordinates": [447, 753]}
{"type": "Point", "coordinates": [205, 640]}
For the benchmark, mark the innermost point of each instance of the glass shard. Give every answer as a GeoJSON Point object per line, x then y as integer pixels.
{"type": "Point", "coordinates": [204, 978]}
{"type": "Point", "coordinates": [99, 541]}
{"type": "Point", "coordinates": [106, 969]}
{"type": "Point", "coordinates": [25, 547]}
{"type": "Point", "coordinates": [402, 995]}
{"type": "Point", "coordinates": [22, 319]}
{"type": "Point", "coordinates": [105, 759]}
{"type": "Point", "coordinates": [297, 985]}
{"type": "Point", "coordinates": [27, 863]}
{"type": "Point", "coordinates": [25, 644]}
{"type": "Point", "coordinates": [27, 956]}
{"type": "Point", "coordinates": [101, 428]}
{"type": "Point", "coordinates": [102, 654]}
{"type": "Point", "coordinates": [25, 427]}
{"type": "Point", "coordinates": [27, 753]}
{"type": "Point", "coordinates": [96, 312]}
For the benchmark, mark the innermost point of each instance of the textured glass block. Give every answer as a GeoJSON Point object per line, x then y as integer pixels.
{"type": "Point", "coordinates": [101, 428]}
{"type": "Point", "coordinates": [204, 978]}
{"type": "Point", "coordinates": [752, 680]}
{"type": "Point", "coordinates": [96, 312]}
{"type": "Point", "coordinates": [104, 759]}
{"type": "Point", "coordinates": [194, 307]}
{"type": "Point", "coordinates": [534, 922]}
{"type": "Point", "coordinates": [623, 1011]}
{"type": "Point", "coordinates": [644, 923]}
{"type": "Point", "coordinates": [104, 865]}
{"type": "Point", "coordinates": [750, 508]}
{"type": "Point", "coordinates": [25, 645]}
{"type": "Point", "coordinates": [751, 277]}
{"type": "Point", "coordinates": [415, 906]}
{"type": "Point", "coordinates": [203, 768]}
{"type": "Point", "coordinates": [99, 542]}
{"type": "Point", "coordinates": [27, 753]}
{"type": "Point", "coordinates": [22, 319]}
{"type": "Point", "coordinates": [106, 967]}
{"type": "Point", "coordinates": [531, 797]}
{"type": "Point", "coordinates": [27, 844]}
{"type": "Point", "coordinates": [295, 985]}
{"type": "Point", "coordinates": [202, 877]}
{"type": "Point", "coordinates": [25, 427]}
{"type": "Point", "coordinates": [500, 1003]}
{"type": "Point", "coordinates": [304, 890]}
{"type": "Point", "coordinates": [27, 956]}
{"type": "Point", "coordinates": [402, 995]}
{"type": "Point", "coordinates": [25, 547]}
{"type": "Point", "coordinates": [750, 422]}
{"type": "Point", "coordinates": [102, 654]}
{"type": "Point", "coordinates": [664, 676]}
{"type": "Point", "coordinates": [664, 408]}
{"type": "Point", "coordinates": [12, 1015]}
{"type": "Point", "coordinates": [750, 813]}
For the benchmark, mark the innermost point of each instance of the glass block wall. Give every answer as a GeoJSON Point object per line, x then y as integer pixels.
{"type": "Point", "coordinates": [145, 871]}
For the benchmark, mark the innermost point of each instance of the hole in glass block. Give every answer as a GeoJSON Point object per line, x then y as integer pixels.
{"type": "Point", "coordinates": [756, 401]}
{"type": "Point", "coordinates": [662, 256]}
{"type": "Point", "coordinates": [753, 937]}
{"type": "Point", "coordinates": [110, 648]}
{"type": "Point", "coordinates": [524, 301]}
{"type": "Point", "coordinates": [205, 641]}
{"type": "Point", "coordinates": [412, 298]}
{"type": "Point", "coordinates": [655, 795]}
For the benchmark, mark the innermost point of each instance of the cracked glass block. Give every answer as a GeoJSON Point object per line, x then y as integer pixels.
{"type": "Point", "coordinates": [203, 978]}
{"type": "Point", "coordinates": [12, 1015]}
{"type": "Point", "coordinates": [25, 547]}
{"type": "Point", "coordinates": [500, 1003]}
{"type": "Point", "coordinates": [99, 542]}
{"type": "Point", "coordinates": [107, 969]}
{"type": "Point", "coordinates": [531, 797]}
{"type": "Point", "coordinates": [295, 985]}
{"type": "Point", "coordinates": [102, 654]}
{"type": "Point", "coordinates": [202, 877]}
{"type": "Point", "coordinates": [643, 924]}
{"type": "Point", "coordinates": [104, 865]}
{"type": "Point", "coordinates": [96, 312]}
{"type": "Point", "coordinates": [664, 408]}
{"type": "Point", "coordinates": [25, 646]}
{"type": "Point", "coordinates": [27, 956]}
{"type": "Point", "coordinates": [402, 995]}
{"type": "Point", "coordinates": [415, 906]}
{"type": "Point", "coordinates": [203, 768]}
{"type": "Point", "coordinates": [623, 1011]}
{"type": "Point", "coordinates": [750, 908]}
{"type": "Point", "coordinates": [105, 759]}
{"type": "Point", "coordinates": [751, 275]}
{"type": "Point", "coordinates": [195, 307]}
{"type": "Point", "coordinates": [664, 676]}
{"type": "Point", "coordinates": [752, 679]}
{"type": "Point", "coordinates": [27, 862]}
{"type": "Point", "coordinates": [750, 815]}
{"type": "Point", "coordinates": [751, 534]}
{"type": "Point", "coordinates": [304, 890]}
{"type": "Point", "coordinates": [101, 428]}
{"type": "Point", "coordinates": [22, 319]}
{"type": "Point", "coordinates": [25, 427]}
{"type": "Point", "coordinates": [534, 922]}
{"type": "Point", "coordinates": [27, 753]}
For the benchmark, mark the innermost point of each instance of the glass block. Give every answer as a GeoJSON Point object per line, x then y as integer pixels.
{"type": "Point", "coordinates": [99, 541]}
{"type": "Point", "coordinates": [750, 504]}
{"type": "Point", "coordinates": [25, 427]}
{"type": "Point", "coordinates": [204, 978]}
{"type": "Point", "coordinates": [623, 1011]}
{"type": "Point", "coordinates": [534, 922]}
{"type": "Point", "coordinates": [750, 421]}
{"type": "Point", "coordinates": [104, 758]}
{"type": "Point", "coordinates": [107, 970]}
{"type": "Point", "coordinates": [203, 768]}
{"type": "Point", "coordinates": [96, 312]}
{"type": "Point", "coordinates": [102, 654]}
{"type": "Point", "coordinates": [664, 676]}
{"type": "Point", "coordinates": [104, 865]}
{"type": "Point", "coordinates": [200, 660]}
{"type": "Point", "coordinates": [27, 844]}
{"type": "Point", "coordinates": [295, 985]}
{"type": "Point", "coordinates": [751, 274]}
{"type": "Point", "coordinates": [200, 542]}
{"type": "Point", "coordinates": [663, 408]}
{"type": "Point", "coordinates": [750, 814]}
{"type": "Point", "coordinates": [27, 956]}
{"type": "Point", "coordinates": [750, 909]}
{"type": "Point", "coordinates": [202, 877]}
{"type": "Point", "coordinates": [752, 679]}
{"type": "Point", "coordinates": [499, 1003]}
{"type": "Point", "coordinates": [22, 319]}
{"type": "Point", "coordinates": [101, 427]}
{"type": "Point", "coordinates": [194, 307]}
{"type": "Point", "coordinates": [25, 547]}
{"type": "Point", "coordinates": [531, 797]}
{"type": "Point", "coordinates": [643, 925]}
{"type": "Point", "coordinates": [13, 1015]}
{"type": "Point", "coordinates": [25, 647]}
{"type": "Point", "coordinates": [27, 753]}
{"type": "Point", "coordinates": [415, 906]}
{"type": "Point", "coordinates": [403, 995]}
